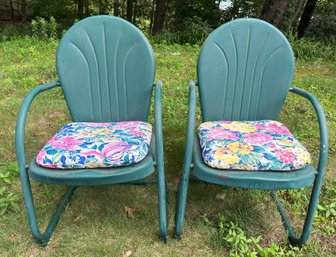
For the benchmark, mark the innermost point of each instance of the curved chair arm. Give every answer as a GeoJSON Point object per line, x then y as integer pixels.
{"type": "Point", "coordinates": [322, 164]}
{"type": "Point", "coordinates": [158, 125]}
{"type": "Point", "coordinates": [42, 238]}
{"type": "Point", "coordinates": [184, 180]}
{"type": "Point", "coordinates": [21, 121]}
{"type": "Point", "coordinates": [159, 158]}
{"type": "Point", "coordinates": [323, 129]}
{"type": "Point", "coordinates": [190, 128]}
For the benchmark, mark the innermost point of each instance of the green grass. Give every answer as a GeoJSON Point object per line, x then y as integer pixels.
{"type": "Point", "coordinates": [95, 223]}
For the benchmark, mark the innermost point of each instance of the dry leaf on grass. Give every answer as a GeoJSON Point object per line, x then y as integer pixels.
{"type": "Point", "coordinates": [127, 254]}
{"type": "Point", "coordinates": [221, 196]}
{"type": "Point", "coordinates": [129, 211]}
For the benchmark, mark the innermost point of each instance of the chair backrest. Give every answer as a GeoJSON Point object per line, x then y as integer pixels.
{"type": "Point", "coordinates": [245, 69]}
{"type": "Point", "coordinates": [106, 69]}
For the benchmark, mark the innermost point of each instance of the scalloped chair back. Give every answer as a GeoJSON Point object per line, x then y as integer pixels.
{"type": "Point", "coordinates": [106, 68]}
{"type": "Point", "coordinates": [244, 69]}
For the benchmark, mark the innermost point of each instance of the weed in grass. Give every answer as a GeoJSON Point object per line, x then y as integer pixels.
{"type": "Point", "coordinates": [238, 243]}
{"type": "Point", "coordinates": [8, 200]}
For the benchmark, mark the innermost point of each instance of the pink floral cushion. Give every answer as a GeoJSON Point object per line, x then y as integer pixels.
{"type": "Point", "coordinates": [251, 145]}
{"type": "Point", "coordinates": [91, 145]}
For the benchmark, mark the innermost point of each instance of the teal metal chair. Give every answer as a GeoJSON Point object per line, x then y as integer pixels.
{"type": "Point", "coordinates": [106, 70]}
{"type": "Point", "coordinates": [244, 71]}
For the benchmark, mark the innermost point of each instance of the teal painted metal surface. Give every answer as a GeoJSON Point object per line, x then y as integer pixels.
{"type": "Point", "coordinates": [214, 106]}
{"type": "Point", "coordinates": [41, 238]}
{"type": "Point", "coordinates": [321, 169]}
{"type": "Point", "coordinates": [92, 177]}
{"type": "Point", "coordinates": [130, 99]}
{"type": "Point", "coordinates": [106, 67]}
{"type": "Point", "coordinates": [181, 199]}
{"type": "Point", "coordinates": [245, 68]}
{"type": "Point", "coordinates": [159, 158]}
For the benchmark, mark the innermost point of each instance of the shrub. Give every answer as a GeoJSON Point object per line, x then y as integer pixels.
{"type": "Point", "coordinates": [309, 49]}
{"type": "Point", "coordinates": [44, 29]}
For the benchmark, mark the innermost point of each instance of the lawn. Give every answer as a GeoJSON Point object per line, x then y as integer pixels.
{"type": "Point", "coordinates": [96, 224]}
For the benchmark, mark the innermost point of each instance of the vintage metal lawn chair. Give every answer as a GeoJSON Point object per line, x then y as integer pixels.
{"type": "Point", "coordinates": [244, 71]}
{"type": "Point", "coordinates": [106, 70]}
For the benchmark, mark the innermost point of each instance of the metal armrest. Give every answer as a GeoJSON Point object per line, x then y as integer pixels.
{"type": "Point", "coordinates": [190, 127]}
{"type": "Point", "coordinates": [21, 121]}
{"type": "Point", "coordinates": [158, 126]}
{"type": "Point", "coordinates": [323, 129]}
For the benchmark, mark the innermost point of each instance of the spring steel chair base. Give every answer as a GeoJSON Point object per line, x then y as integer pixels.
{"type": "Point", "coordinates": [244, 73]}
{"type": "Point", "coordinates": [106, 69]}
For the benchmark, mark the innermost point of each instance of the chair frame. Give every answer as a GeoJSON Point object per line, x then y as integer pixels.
{"type": "Point", "coordinates": [158, 156]}
{"type": "Point", "coordinates": [189, 158]}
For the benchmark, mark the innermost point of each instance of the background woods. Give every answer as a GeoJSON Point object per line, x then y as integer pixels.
{"type": "Point", "coordinates": [184, 21]}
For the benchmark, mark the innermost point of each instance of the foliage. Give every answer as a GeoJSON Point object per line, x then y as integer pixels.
{"type": "Point", "coordinates": [240, 244]}
{"type": "Point", "coordinates": [186, 21]}
{"type": "Point", "coordinates": [193, 32]}
{"type": "Point", "coordinates": [60, 9]}
{"type": "Point", "coordinates": [323, 24]}
{"type": "Point", "coordinates": [308, 49]}
{"type": "Point", "coordinates": [326, 210]}
{"type": "Point", "coordinates": [197, 10]}
{"type": "Point", "coordinates": [8, 199]}
{"type": "Point", "coordinates": [44, 29]}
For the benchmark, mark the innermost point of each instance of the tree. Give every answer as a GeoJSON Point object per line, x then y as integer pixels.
{"type": "Point", "coordinates": [23, 9]}
{"type": "Point", "coordinates": [273, 11]}
{"type": "Point", "coordinates": [306, 17]}
{"type": "Point", "coordinates": [129, 10]}
{"type": "Point", "coordinates": [80, 9]}
{"type": "Point", "coordinates": [159, 15]}
{"type": "Point", "coordinates": [116, 8]}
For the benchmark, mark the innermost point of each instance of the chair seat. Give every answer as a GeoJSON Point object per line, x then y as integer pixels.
{"type": "Point", "coordinates": [257, 179]}
{"type": "Point", "coordinates": [82, 145]}
{"type": "Point", "coordinates": [92, 176]}
{"type": "Point", "coordinates": [264, 145]}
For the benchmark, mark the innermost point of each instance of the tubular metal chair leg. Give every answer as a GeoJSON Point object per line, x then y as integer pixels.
{"type": "Point", "coordinates": [307, 227]}
{"type": "Point", "coordinates": [162, 201]}
{"type": "Point", "coordinates": [181, 205]}
{"type": "Point", "coordinates": [42, 238]}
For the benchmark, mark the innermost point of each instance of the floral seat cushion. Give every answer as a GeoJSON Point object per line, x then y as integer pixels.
{"type": "Point", "coordinates": [251, 145]}
{"type": "Point", "coordinates": [92, 145]}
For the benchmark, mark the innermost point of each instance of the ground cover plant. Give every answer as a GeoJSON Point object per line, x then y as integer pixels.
{"type": "Point", "coordinates": [113, 220]}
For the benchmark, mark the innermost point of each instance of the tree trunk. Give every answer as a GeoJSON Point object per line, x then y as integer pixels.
{"type": "Point", "coordinates": [273, 11]}
{"type": "Point", "coordinates": [116, 8]}
{"type": "Point", "coordinates": [80, 9]}
{"type": "Point", "coordinates": [159, 15]}
{"type": "Point", "coordinates": [266, 7]}
{"type": "Point", "coordinates": [299, 9]}
{"type": "Point", "coordinates": [23, 9]}
{"type": "Point", "coordinates": [11, 9]}
{"type": "Point", "coordinates": [87, 8]}
{"type": "Point", "coordinates": [306, 17]}
{"type": "Point", "coordinates": [152, 16]}
{"type": "Point", "coordinates": [135, 9]}
{"type": "Point", "coordinates": [129, 10]}
{"type": "Point", "coordinates": [123, 9]}
{"type": "Point", "coordinates": [100, 7]}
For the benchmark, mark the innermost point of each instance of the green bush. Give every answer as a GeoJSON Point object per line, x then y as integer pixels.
{"type": "Point", "coordinates": [309, 49]}
{"type": "Point", "coordinates": [44, 29]}
{"type": "Point", "coordinates": [323, 24]}
{"type": "Point", "coordinates": [192, 33]}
